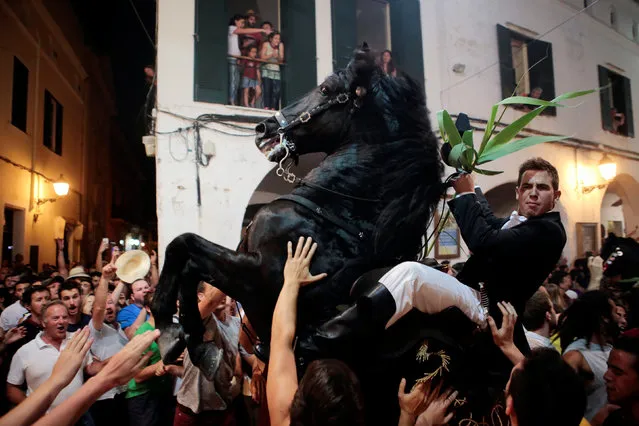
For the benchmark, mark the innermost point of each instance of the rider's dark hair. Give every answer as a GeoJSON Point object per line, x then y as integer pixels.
{"type": "Point", "coordinates": [535, 311]}
{"type": "Point", "coordinates": [539, 163]}
{"type": "Point", "coordinates": [328, 395]}
{"type": "Point", "coordinates": [547, 391]}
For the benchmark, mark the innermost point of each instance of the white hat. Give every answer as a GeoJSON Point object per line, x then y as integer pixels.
{"type": "Point", "coordinates": [133, 265]}
{"type": "Point", "coordinates": [78, 272]}
{"type": "Point", "coordinates": [572, 294]}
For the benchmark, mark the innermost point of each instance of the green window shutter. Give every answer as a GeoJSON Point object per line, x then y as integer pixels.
{"type": "Point", "coordinates": [542, 75]}
{"type": "Point", "coordinates": [630, 125]}
{"type": "Point", "coordinates": [299, 75]}
{"type": "Point", "coordinates": [211, 47]}
{"type": "Point", "coordinates": [604, 96]}
{"type": "Point", "coordinates": [406, 38]}
{"type": "Point", "coordinates": [506, 70]}
{"type": "Point", "coordinates": [344, 27]}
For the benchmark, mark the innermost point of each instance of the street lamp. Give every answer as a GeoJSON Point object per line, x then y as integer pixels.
{"type": "Point", "coordinates": [60, 187]}
{"type": "Point", "coordinates": [607, 170]}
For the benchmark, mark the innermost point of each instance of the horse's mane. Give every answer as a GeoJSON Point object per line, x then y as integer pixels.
{"type": "Point", "coordinates": [411, 187]}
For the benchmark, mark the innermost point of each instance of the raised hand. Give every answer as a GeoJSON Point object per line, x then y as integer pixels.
{"type": "Point", "coordinates": [72, 357]}
{"type": "Point", "coordinates": [296, 269]}
{"type": "Point", "coordinates": [14, 334]}
{"type": "Point", "coordinates": [109, 270]}
{"type": "Point", "coordinates": [436, 412]}
{"type": "Point", "coordinates": [413, 403]}
{"type": "Point", "coordinates": [503, 337]}
{"type": "Point", "coordinates": [129, 361]}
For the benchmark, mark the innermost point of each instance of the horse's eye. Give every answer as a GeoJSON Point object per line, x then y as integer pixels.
{"type": "Point", "coordinates": [323, 90]}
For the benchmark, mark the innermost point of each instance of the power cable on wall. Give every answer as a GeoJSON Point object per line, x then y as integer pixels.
{"type": "Point", "coordinates": [538, 38]}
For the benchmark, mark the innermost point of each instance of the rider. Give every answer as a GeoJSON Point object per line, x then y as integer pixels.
{"type": "Point", "coordinates": [510, 256]}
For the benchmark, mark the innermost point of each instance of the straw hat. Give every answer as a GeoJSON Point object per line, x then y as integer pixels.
{"type": "Point", "coordinates": [133, 265]}
{"type": "Point", "coordinates": [78, 272]}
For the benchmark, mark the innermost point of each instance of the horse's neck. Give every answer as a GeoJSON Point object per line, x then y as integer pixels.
{"type": "Point", "coordinates": [347, 175]}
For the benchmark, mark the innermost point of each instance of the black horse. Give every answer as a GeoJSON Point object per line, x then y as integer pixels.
{"type": "Point", "coordinates": [367, 205]}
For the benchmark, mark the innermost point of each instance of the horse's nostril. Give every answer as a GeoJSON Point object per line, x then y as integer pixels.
{"type": "Point", "coordinates": [260, 129]}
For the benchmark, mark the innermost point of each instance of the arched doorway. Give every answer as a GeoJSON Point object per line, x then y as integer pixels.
{"type": "Point", "coordinates": [502, 199]}
{"type": "Point", "coordinates": [272, 186]}
{"type": "Point", "coordinates": [620, 207]}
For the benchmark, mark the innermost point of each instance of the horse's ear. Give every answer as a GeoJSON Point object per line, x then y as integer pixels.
{"type": "Point", "coordinates": [363, 65]}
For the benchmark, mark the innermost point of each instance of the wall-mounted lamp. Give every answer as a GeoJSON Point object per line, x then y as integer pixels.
{"type": "Point", "coordinates": [60, 187]}
{"type": "Point", "coordinates": [607, 170]}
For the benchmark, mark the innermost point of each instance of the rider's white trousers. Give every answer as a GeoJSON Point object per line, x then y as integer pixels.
{"type": "Point", "coordinates": [415, 285]}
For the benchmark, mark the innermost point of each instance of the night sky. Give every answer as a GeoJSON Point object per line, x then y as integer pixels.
{"type": "Point", "coordinates": [112, 29]}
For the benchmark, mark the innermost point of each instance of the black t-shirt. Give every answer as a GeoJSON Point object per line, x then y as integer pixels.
{"type": "Point", "coordinates": [84, 320]}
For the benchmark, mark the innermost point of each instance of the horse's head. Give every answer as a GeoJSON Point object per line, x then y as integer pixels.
{"type": "Point", "coordinates": [315, 122]}
{"type": "Point", "coordinates": [621, 257]}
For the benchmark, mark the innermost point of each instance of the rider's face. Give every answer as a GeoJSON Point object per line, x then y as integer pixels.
{"type": "Point", "coordinates": [535, 194]}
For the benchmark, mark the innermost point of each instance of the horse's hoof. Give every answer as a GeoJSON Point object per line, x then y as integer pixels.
{"type": "Point", "coordinates": [262, 352]}
{"type": "Point", "coordinates": [206, 356]}
{"type": "Point", "coordinates": [172, 343]}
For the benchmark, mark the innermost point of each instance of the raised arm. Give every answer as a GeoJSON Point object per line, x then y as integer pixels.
{"type": "Point", "coordinates": [62, 264]}
{"type": "Point", "coordinates": [104, 245]}
{"type": "Point", "coordinates": [155, 276]}
{"type": "Point", "coordinates": [141, 319]}
{"type": "Point", "coordinates": [281, 389]}
{"type": "Point", "coordinates": [101, 292]}
{"type": "Point", "coordinates": [115, 295]}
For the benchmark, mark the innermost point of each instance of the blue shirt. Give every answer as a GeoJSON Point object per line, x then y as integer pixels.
{"type": "Point", "coordinates": [128, 315]}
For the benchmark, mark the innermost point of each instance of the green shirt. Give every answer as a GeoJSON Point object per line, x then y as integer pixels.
{"type": "Point", "coordinates": [162, 384]}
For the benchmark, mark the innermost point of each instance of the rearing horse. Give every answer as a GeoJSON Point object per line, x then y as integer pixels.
{"type": "Point", "coordinates": [367, 206]}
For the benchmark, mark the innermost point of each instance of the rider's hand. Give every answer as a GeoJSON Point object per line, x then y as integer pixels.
{"type": "Point", "coordinates": [296, 269]}
{"type": "Point", "coordinates": [464, 183]}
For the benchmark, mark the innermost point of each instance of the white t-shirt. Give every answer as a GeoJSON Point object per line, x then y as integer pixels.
{"type": "Point", "coordinates": [11, 316]}
{"type": "Point", "coordinates": [34, 363]}
{"type": "Point", "coordinates": [234, 42]}
{"type": "Point", "coordinates": [107, 342]}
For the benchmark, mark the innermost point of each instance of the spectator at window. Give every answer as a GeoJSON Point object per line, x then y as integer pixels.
{"type": "Point", "coordinates": [386, 62]}
{"type": "Point", "coordinates": [251, 78]}
{"type": "Point", "coordinates": [618, 120]}
{"type": "Point", "coordinates": [236, 27]}
{"type": "Point", "coordinates": [273, 52]}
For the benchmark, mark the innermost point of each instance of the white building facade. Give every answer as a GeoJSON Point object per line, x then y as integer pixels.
{"type": "Point", "coordinates": [470, 55]}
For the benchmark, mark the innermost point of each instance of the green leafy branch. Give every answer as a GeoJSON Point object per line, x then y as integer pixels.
{"type": "Point", "coordinates": [461, 153]}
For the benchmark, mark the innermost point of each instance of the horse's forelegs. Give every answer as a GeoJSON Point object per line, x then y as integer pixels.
{"type": "Point", "coordinates": [189, 260]}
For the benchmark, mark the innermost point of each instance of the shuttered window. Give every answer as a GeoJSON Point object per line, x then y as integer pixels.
{"type": "Point", "coordinates": [405, 33]}
{"type": "Point", "coordinates": [19, 95]}
{"type": "Point", "coordinates": [211, 65]}
{"type": "Point", "coordinates": [527, 63]}
{"type": "Point", "coordinates": [616, 103]}
{"type": "Point", "coordinates": [53, 121]}
{"type": "Point", "coordinates": [299, 75]}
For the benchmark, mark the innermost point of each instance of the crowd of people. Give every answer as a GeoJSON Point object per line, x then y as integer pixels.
{"type": "Point", "coordinates": [78, 345]}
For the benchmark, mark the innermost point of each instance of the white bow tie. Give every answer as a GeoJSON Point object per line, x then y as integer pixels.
{"type": "Point", "coordinates": [514, 220]}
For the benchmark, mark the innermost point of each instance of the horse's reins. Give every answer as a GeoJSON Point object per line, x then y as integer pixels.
{"type": "Point", "coordinates": [283, 170]}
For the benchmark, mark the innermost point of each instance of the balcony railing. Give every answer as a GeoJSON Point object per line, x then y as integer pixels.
{"type": "Point", "coordinates": [254, 82]}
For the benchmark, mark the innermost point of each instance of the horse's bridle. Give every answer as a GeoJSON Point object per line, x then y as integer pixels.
{"type": "Point", "coordinates": [617, 252]}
